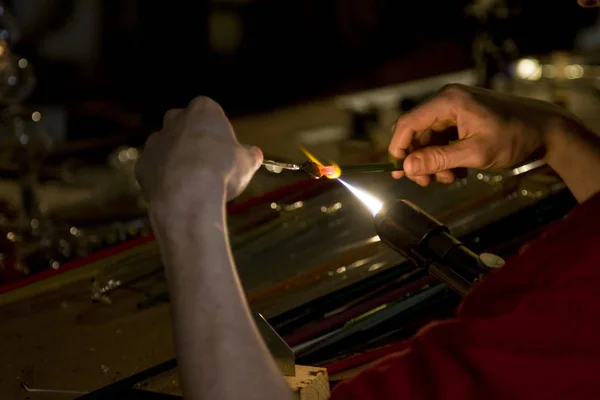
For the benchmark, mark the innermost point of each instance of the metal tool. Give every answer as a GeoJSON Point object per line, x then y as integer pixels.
{"type": "Point", "coordinates": [36, 390]}
{"type": "Point", "coordinates": [280, 165]}
{"type": "Point", "coordinates": [311, 168]}
{"type": "Point", "coordinates": [427, 243]}
{"type": "Point", "coordinates": [282, 354]}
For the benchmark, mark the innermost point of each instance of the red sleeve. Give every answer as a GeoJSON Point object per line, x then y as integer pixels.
{"type": "Point", "coordinates": [530, 330]}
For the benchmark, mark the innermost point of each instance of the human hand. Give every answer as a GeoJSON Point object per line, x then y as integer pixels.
{"type": "Point", "coordinates": [195, 155]}
{"type": "Point", "coordinates": [494, 130]}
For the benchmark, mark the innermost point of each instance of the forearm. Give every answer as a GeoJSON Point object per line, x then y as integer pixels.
{"type": "Point", "coordinates": [221, 355]}
{"type": "Point", "coordinates": [574, 153]}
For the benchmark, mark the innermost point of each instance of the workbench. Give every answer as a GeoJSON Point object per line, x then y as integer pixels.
{"type": "Point", "coordinates": [63, 341]}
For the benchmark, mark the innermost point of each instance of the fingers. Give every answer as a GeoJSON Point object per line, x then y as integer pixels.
{"type": "Point", "coordinates": [438, 113]}
{"type": "Point", "coordinates": [171, 116]}
{"type": "Point", "coordinates": [397, 174]}
{"type": "Point", "coordinates": [203, 104]}
{"type": "Point", "coordinates": [249, 160]}
{"type": "Point", "coordinates": [440, 161]}
{"type": "Point", "coordinates": [199, 106]}
{"type": "Point", "coordinates": [140, 165]}
{"type": "Point", "coordinates": [422, 180]}
{"type": "Point", "coordinates": [207, 116]}
{"type": "Point", "coordinates": [465, 153]}
{"type": "Point", "coordinates": [445, 177]}
{"type": "Point", "coordinates": [589, 3]}
{"type": "Point", "coordinates": [256, 155]}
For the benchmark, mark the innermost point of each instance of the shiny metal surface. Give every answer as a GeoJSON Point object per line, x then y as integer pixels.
{"type": "Point", "coordinates": [280, 351]}
{"type": "Point", "coordinates": [523, 169]}
{"type": "Point", "coordinates": [402, 224]}
{"type": "Point", "coordinates": [278, 166]}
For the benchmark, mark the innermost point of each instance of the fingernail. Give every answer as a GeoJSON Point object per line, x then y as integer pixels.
{"type": "Point", "coordinates": [397, 174]}
{"type": "Point", "coordinates": [413, 165]}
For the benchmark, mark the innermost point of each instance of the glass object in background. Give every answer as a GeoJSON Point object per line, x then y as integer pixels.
{"type": "Point", "coordinates": [140, 263]}
{"type": "Point", "coordinates": [11, 266]}
{"type": "Point", "coordinates": [24, 138]}
{"type": "Point", "coordinates": [23, 134]}
{"type": "Point", "coordinates": [122, 161]}
{"type": "Point", "coordinates": [136, 265]}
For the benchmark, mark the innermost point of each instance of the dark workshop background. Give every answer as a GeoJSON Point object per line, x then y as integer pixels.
{"type": "Point", "coordinates": [253, 55]}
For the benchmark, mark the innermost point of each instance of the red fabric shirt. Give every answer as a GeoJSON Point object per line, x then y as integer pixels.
{"type": "Point", "coordinates": [530, 330]}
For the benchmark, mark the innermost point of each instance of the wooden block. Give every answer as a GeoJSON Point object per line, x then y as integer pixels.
{"type": "Point", "coordinates": [310, 383]}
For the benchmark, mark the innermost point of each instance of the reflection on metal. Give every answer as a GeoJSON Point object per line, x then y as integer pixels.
{"type": "Point", "coordinates": [293, 206]}
{"type": "Point", "coordinates": [56, 391]}
{"type": "Point", "coordinates": [491, 261]}
{"type": "Point", "coordinates": [359, 244]}
{"type": "Point", "coordinates": [527, 168]}
{"type": "Point", "coordinates": [500, 176]}
{"type": "Point", "coordinates": [332, 209]}
{"type": "Point", "coordinates": [490, 178]}
{"type": "Point", "coordinates": [277, 167]}
{"type": "Point", "coordinates": [280, 351]}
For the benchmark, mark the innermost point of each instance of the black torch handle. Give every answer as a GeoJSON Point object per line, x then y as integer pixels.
{"type": "Point", "coordinates": [448, 251]}
{"type": "Point", "coordinates": [446, 259]}
{"type": "Point", "coordinates": [426, 242]}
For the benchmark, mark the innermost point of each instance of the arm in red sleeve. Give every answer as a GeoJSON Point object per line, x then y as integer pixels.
{"type": "Point", "coordinates": [528, 331]}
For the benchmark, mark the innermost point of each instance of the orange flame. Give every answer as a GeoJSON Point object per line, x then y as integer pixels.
{"type": "Point", "coordinates": [332, 171]}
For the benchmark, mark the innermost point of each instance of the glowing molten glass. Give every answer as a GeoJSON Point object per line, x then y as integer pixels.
{"type": "Point", "coordinates": [330, 171]}
{"type": "Point", "coordinates": [372, 202]}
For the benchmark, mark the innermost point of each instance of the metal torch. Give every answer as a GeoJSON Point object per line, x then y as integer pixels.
{"type": "Point", "coordinates": [427, 243]}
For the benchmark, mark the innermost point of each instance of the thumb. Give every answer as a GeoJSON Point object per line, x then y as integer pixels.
{"type": "Point", "coordinates": [465, 153]}
{"type": "Point", "coordinates": [256, 155]}
{"type": "Point", "coordinates": [249, 161]}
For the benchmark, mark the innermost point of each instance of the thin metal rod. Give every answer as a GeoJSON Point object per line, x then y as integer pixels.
{"type": "Point", "coordinates": [34, 390]}
{"type": "Point", "coordinates": [282, 165]}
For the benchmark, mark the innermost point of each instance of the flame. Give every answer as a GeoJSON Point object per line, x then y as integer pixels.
{"type": "Point", "coordinates": [373, 203]}
{"type": "Point", "coordinates": [332, 171]}
{"type": "Point", "coordinates": [310, 156]}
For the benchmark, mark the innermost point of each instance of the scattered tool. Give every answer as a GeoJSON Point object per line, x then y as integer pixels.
{"type": "Point", "coordinates": [34, 390]}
